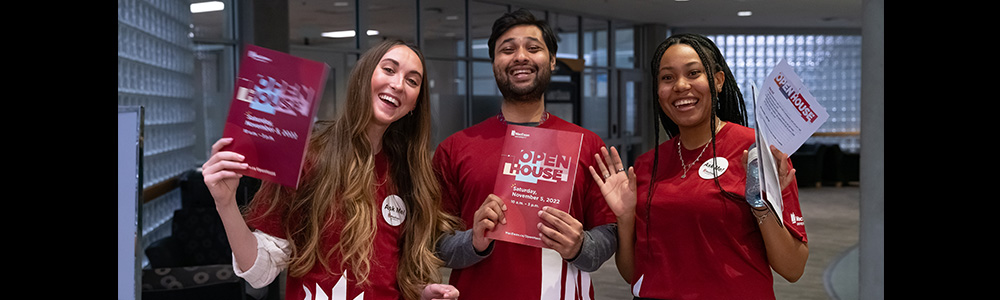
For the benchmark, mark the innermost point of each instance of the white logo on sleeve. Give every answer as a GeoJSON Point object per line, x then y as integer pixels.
{"type": "Point", "coordinates": [394, 210]}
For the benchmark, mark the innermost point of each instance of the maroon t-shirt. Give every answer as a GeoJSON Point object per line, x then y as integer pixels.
{"type": "Point", "coordinates": [320, 284]}
{"type": "Point", "coordinates": [467, 163]}
{"type": "Point", "coordinates": [693, 243]}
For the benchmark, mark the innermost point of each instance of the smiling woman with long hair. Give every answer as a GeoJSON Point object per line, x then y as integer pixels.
{"type": "Point", "coordinates": [686, 230]}
{"type": "Point", "coordinates": [367, 208]}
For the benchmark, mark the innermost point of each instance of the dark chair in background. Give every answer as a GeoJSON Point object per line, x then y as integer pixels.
{"type": "Point", "coordinates": [808, 164]}
{"type": "Point", "coordinates": [834, 172]}
{"type": "Point", "coordinates": [195, 262]}
{"type": "Point", "coordinates": [817, 165]}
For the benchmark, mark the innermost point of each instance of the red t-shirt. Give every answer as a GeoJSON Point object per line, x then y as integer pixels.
{"type": "Point", "coordinates": [320, 284]}
{"type": "Point", "coordinates": [467, 164]}
{"type": "Point", "coordinates": [691, 242]}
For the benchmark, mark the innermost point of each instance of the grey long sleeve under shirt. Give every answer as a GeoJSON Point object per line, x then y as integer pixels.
{"type": "Point", "coordinates": [599, 243]}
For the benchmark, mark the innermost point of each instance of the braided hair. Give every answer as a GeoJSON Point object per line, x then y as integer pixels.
{"type": "Point", "coordinates": [727, 104]}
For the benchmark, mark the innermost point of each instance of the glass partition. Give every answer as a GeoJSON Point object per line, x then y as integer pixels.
{"type": "Point", "coordinates": [595, 42]}
{"type": "Point", "coordinates": [447, 86]}
{"type": "Point", "coordinates": [481, 17]}
{"type": "Point", "coordinates": [830, 66]}
{"type": "Point", "coordinates": [567, 28]}
{"type": "Point", "coordinates": [391, 20]}
{"type": "Point", "coordinates": [595, 107]}
{"type": "Point", "coordinates": [625, 47]}
{"type": "Point", "coordinates": [443, 28]}
{"type": "Point", "coordinates": [486, 96]}
{"type": "Point", "coordinates": [334, 28]}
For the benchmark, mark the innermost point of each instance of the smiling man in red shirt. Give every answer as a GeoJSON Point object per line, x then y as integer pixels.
{"type": "Point", "coordinates": [577, 242]}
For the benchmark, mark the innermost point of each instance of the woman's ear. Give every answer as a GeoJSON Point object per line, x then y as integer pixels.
{"type": "Point", "coordinates": [720, 79]}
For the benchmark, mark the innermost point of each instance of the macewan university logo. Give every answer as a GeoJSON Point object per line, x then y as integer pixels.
{"type": "Point", "coordinates": [270, 95]}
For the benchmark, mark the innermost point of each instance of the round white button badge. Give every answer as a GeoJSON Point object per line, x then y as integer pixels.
{"type": "Point", "coordinates": [393, 210]}
{"type": "Point", "coordinates": [713, 167]}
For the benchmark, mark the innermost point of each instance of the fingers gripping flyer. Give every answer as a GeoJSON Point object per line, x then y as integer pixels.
{"type": "Point", "coordinates": [537, 168]}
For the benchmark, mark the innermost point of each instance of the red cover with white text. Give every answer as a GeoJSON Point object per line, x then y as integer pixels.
{"type": "Point", "coordinates": [271, 115]}
{"type": "Point", "coordinates": [537, 168]}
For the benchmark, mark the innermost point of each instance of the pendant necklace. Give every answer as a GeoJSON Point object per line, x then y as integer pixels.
{"type": "Point", "coordinates": [686, 167]}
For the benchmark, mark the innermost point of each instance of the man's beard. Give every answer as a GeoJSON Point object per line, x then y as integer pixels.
{"type": "Point", "coordinates": [529, 93]}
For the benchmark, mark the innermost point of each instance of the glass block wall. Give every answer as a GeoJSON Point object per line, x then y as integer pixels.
{"type": "Point", "coordinates": [155, 66]}
{"type": "Point", "coordinates": [830, 66]}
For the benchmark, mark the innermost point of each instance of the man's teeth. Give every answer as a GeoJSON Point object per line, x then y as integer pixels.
{"type": "Point", "coordinates": [521, 71]}
{"type": "Point", "coordinates": [389, 99]}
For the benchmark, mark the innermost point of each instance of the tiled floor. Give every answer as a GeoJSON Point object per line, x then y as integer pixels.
{"type": "Point", "coordinates": [831, 225]}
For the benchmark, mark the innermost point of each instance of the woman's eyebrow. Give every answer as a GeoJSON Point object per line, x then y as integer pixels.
{"type": "Point", "coordinates": [396, 63]}
{"type": "Point", "coordinates": [393, 61]}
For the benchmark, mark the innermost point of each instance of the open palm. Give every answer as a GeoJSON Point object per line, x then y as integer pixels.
{"type": "Point", "coordinates": [617, 185]}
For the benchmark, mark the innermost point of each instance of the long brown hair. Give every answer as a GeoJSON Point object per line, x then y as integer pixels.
{"type": "Point", "coordinates": [337, 188]}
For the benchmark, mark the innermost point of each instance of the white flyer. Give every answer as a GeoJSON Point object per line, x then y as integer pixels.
{"type": "Point", "coordinates": [785, 112]}
{"type": "Point", "coordinates": [786, 115]}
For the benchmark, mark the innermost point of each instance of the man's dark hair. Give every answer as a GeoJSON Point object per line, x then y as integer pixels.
{"type": "Point", "coordinates": [517, 18]}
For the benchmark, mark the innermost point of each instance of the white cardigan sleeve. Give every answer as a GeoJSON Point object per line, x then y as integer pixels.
{"type": "Point", "coordinates": [272, 257]}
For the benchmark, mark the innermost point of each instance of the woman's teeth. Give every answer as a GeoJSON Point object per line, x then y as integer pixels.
{"type": "Point", "coordinates": [683, 102]}
{"type": "Point", "coordinates": [389, 99]}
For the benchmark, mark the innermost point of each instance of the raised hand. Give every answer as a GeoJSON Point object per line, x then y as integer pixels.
{"type": "Point", "coordinates": [617, 186]}
{"type": "Point", "coordinates": [222, 178]}
{"type": "Point", "coordinates": [220, 173]}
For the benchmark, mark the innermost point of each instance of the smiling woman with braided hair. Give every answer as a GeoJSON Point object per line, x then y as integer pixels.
{"type": "Point", "coordinates": [693, 235]}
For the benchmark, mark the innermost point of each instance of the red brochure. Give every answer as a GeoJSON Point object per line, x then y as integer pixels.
{"type": "Point", "coordinates": [537, 168]}
{"type": "Point", "coordinates": [271, 115]}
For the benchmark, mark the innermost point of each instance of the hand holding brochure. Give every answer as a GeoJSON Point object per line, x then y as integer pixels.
{"type": "Point", "coordinates": [786, 115]}
{"type": "Point", "coordinates": [537, 168]}
{"type": "Point", "coordinates": [271, 115]}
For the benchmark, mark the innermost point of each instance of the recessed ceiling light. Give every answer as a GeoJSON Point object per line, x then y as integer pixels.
{"type": "Point", "coordinates": [345, 34]}
{"type": "Point", "coordinates": [209, 6]}
{"type": "Point", "coordinates": [745, 13]}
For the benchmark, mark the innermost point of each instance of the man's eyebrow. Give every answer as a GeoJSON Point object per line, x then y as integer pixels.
{"type": "Point", "coordinates": [512, 39]}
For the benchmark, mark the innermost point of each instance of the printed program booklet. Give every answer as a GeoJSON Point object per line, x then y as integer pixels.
{"type": "Point", "coordinates": [786, 115]}
{"type": "Point", "coordinates": [271, 115]}
{"type": "Point", "coordinates": [537, 168]}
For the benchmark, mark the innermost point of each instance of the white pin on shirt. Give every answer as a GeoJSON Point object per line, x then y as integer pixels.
{"type": "Point", "coordinates": [713, 167]}
{"type": "Point", "coordinates": [393, 210]}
